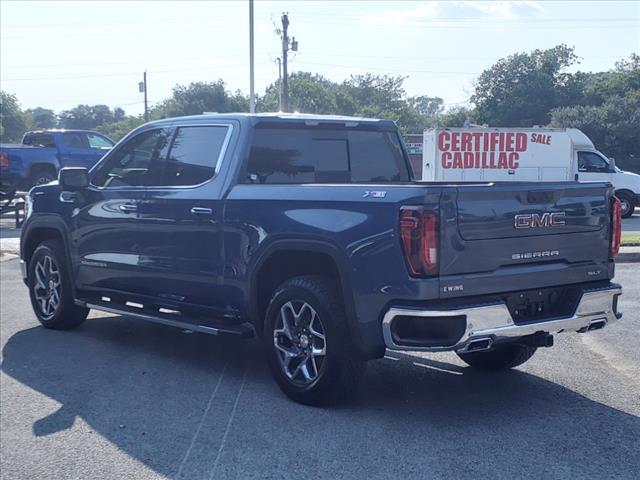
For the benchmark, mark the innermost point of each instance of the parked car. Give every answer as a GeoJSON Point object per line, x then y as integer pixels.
{"type": "Point", "coordinates": [42, 153]}
{"type": "Point", "coordinates": [310, 232]}
{"type": "Point", "coordinates": [523, 154]}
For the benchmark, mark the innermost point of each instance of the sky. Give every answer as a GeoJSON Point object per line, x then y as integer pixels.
{"type": "Point", "coordinates": [61, 54]}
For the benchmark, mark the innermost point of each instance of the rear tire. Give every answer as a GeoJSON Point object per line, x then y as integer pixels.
{"type": "Point", "coordinates": [501, 357]}
{"type": "Point", "coordinates": [50, 288]}
{"type": "Point", "coordinates": [308, 345]}
{"type": "Point", "coordinates": [627, 204]}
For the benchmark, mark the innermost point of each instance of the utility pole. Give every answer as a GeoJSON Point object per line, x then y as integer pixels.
{"type": "Point", "coordinates": [287, 44]}
{"type": "Point", "coordinates": [252, 95]}
{"type": "Point", "coordinates": [142, 88]}
{"type": "Point", "coordinates": [279, 62]}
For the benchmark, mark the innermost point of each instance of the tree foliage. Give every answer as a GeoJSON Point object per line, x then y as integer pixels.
{"type": "Point", "coordinates": [522, 89]}
{"type": "Point", "coordinates": [200, 97]}
{"type": "Point", "coordinates": [609, 111]}
{"type": "Point", "coordinates": [41, 117]}
{"type": "Point", "coordinates": [89, 116]}
{"type": "Point", "coordinates": [13, 121]}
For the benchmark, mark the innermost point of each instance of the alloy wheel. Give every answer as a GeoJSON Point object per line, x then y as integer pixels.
{"type": "Point", "coordinates": [625, 206]}
{"type": "Point", "coordinates": [299, 339]}
{"type": "Point", "coordinates": [46, 289]}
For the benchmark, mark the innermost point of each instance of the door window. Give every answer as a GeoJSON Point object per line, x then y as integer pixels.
{"type": "Point", "coordinates": [592, 163]}
{"type": "Point", "coordinates": [75, 140]}
{"type": "Point", "coordinates": [136, 163]}
{"type": "Point", "coordinates": [194, 155]}
{"type": "Point", "coordinates": [98, 141]}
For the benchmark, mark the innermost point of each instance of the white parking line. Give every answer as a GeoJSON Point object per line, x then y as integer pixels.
{"type": "Point", "coordinates": [436, 368]}
{"type": "Point", "coordinates": [204, 415]}
{"type": "Point", "coordinates": [226, 432]}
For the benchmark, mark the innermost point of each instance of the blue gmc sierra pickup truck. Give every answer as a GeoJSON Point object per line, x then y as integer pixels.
{"type": "Point", "coordinates": [310, 232]}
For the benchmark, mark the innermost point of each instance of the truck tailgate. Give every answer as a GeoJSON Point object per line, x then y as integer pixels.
{"type": "Point", "coordinates": [502, 231]}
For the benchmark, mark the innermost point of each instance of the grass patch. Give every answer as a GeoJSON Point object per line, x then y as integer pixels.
{"type": "Point", "coordinates": [630, 239]}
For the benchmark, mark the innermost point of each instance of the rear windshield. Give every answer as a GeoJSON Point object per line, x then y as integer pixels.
{"type": "Point", "coordinates": [311, 155]}
{"type": "Point", "coordinates": [39, 140]}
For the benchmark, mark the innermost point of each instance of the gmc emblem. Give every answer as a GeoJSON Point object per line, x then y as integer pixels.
{"type": "Point", "coordinates": [535, 220]}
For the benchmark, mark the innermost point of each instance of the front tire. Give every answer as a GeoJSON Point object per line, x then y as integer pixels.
{"type": "Point", "coordinates": [50, 288]}
{"type": "Point", "coordinates": [501, 357]}
{"type": "Point", "coordinates": [40, 176]}
{"type": "Point", "coordinates": [308, 345]}
{"type": "Point", "coordinates": [627, 204]}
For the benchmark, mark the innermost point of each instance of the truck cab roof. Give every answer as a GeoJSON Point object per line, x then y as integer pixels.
{"type": "Point", "coordinates": [284, 118]}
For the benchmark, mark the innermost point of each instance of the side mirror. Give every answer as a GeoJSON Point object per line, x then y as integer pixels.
{"type": "Point", "coordinates": [73, 178]}
{"type": "Point", "coordinates": [612, 164]}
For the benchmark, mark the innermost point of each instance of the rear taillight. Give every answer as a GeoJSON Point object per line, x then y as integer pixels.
{"type": "Point", "coordinates": [419, 235]}
{"type": "Point", "coordinates": [616, 226]}
{"type": "Point", "coordinates": [4, 159]}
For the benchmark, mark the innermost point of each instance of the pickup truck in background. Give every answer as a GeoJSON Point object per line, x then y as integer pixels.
{"type": "Point", "coordinates": [42, 153]}
{"type": "Point", "coordinates": [310, 232]}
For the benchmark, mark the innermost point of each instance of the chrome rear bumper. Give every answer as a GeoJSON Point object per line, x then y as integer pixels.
{"type": "Point", "coordinates": [595, 309]}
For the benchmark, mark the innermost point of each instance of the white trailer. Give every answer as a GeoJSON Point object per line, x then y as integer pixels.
{"type": "Point", "coordinates": [522, 154]}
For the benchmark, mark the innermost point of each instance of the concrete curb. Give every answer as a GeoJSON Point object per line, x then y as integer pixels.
{"type": "Point", "coordinates": [628, 255]}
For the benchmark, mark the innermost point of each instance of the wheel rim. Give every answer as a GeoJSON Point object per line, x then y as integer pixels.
{"type": "Point", "coordinates": [624, 206]}
{"type": "Point", "coordinates": [299, 339]}
{"type": "Point", "coordinates": [43, 180]}
{"type": "Point", "coordinates": [46, 289]}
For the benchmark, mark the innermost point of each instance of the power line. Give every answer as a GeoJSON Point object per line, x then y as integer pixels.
{"type": "Point", "coordinates": [448, 57]}
{"type": "Point", "coordinates": [435, 72]}
{"type": "Point", "coordinates": [131, 74]}
{"type": "Point", "coordinates": [478, 18]}
{"type": "Point", "coordinates": [235, 55]}
{"type": "Point", "coordinates": [204, 19]}
{"type": "Point", "coordinates": [479, 26]}
{"type": "Point", "coordinates": [110, 33]}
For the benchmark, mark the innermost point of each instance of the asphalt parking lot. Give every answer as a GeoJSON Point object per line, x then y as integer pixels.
{"type": "Point", "coordinates": [119, 398]}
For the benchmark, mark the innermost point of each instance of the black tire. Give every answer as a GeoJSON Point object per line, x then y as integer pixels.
{"type": "Point", "coordinates": [627, 203]}
{"type": "Point", "coordinates": [41, 176]}
{"type": "Point", "coordinates": [66, 314]}
{"type": "Point", "coordinates": [339, 370]}
{"type": "Point", "coordinates": [501, 357]}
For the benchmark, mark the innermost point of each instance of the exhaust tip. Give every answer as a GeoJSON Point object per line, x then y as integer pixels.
{"type": "Point", "coordinates": [479, 344]}
{"type": "Point", "coordinates": [597, 325]}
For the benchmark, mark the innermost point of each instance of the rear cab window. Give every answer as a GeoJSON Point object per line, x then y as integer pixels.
{"type": "Point", "coordinates": [39, 140]}
{"type": "Point", "coordinates": [281, 155]}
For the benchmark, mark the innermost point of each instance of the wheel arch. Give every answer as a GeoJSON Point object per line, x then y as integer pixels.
{"type": "Point", "coordinates": [48, 166]}
{"type": "Point", "coordinates": [41, 229]}
{"type": "Point", "coordinates": [299, 257]}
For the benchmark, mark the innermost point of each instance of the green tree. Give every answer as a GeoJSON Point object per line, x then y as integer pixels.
{"type": "Point", "coordinates": [455, 117]}
{"type": "Point", "coordinates": [308, 93]}
{"type": "Point", "coordinates": [13, 121]}
{"type": "Point", "coordinates": [87, 116]}
{"type": "Point", "coordinates": [522, 89]}
{"type": "Point", "coordinates": [200, 97]}
{"type": "Point", "coordinates": [42, 117]}
{"type": "Point", "coordinates": [117, 130]}
{"type": "Point", "coordinates": [609, 111]}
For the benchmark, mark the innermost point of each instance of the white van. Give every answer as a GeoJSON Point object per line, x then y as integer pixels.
{"type": "Point", "coordinates": [522, 154]}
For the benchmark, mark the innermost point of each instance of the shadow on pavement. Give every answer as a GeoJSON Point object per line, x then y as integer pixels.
{"type": "Point", "coordinates": [144, 388]}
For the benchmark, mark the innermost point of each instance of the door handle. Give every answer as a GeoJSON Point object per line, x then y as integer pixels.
{"type": "Point", "coordinates": [201, 211]}
{"type": "Point", "coordinates": [128, 208]}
